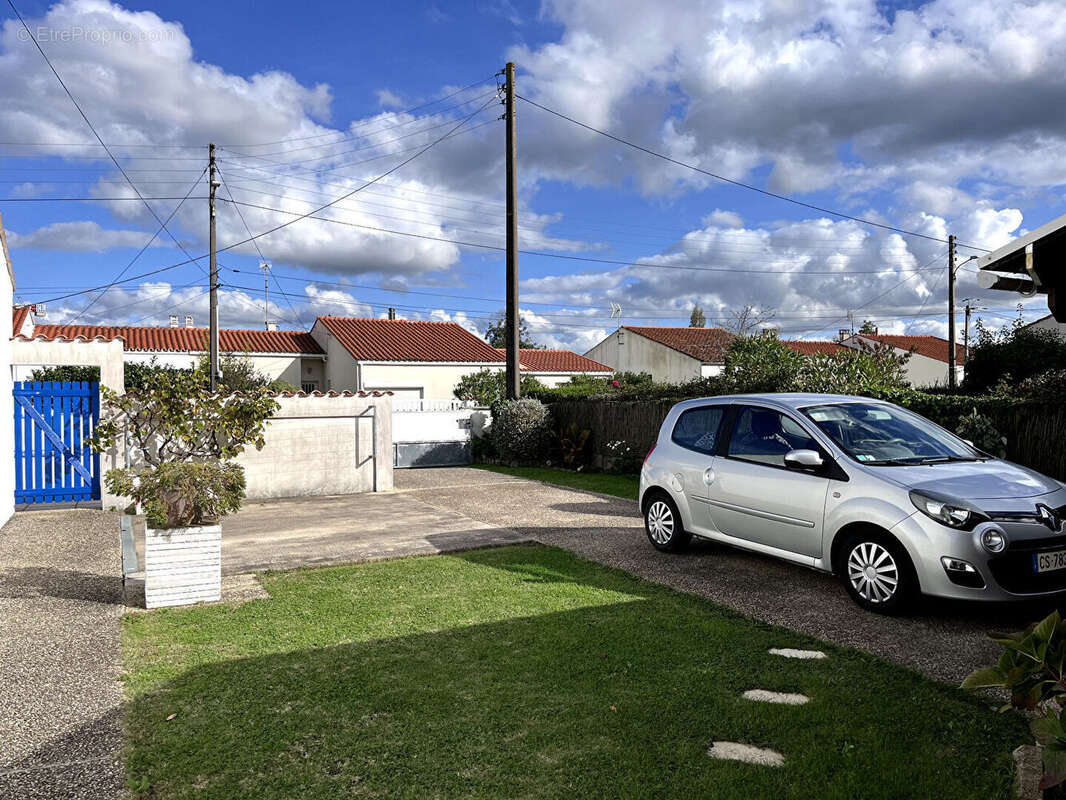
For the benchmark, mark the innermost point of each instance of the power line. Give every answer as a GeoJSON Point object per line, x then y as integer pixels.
{"type": "Point", "coordinates": [741, 184]}
{"type": "Point", "coordinates": [565, 257]}
{"type": "Point", "coordinates": [147, 244]}
{"type": "Point", "coordinates": [89, 199]}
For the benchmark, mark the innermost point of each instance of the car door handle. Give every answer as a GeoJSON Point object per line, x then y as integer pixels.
{"type": "Point", "coordinates": [708, 476]}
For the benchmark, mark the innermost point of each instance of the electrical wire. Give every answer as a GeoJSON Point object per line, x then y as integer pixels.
{"type": "Point", "coordinates": [741, 184]}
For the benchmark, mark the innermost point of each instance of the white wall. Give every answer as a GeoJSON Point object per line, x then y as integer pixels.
{"type": "Point", "coordinates": [323, 446]}
{"type": "Point", "coordinates": [553, 379]}
{"type": "Point", "coordinates": [638, 354]}
{"type": "Point", "coordinates": [285, 367]}
{"type": "Point", "coordinates": [7, 411]}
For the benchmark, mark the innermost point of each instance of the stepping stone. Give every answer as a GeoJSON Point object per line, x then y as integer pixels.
{"type": "Point", "coordinates": [783, 698]}
{"type": "Point", "coordinates": [788, 652]}
{"type": "Point", "coordinates": [735, 751]}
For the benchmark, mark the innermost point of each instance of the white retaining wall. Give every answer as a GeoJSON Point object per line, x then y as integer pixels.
{"type": "Point", "coordinates": [323, 446]}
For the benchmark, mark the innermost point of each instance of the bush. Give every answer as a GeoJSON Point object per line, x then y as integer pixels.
{"type": "Point", "coordinates": [487, 387]}
{"type": "Point", "coordinates": [760, 364]}
{"type": "Point", "coordinates": [178, 433]}
{"type": "Point", "coordinates": [864, 372]}
{"type": "Point", "coordinates": [1031, 669]}
{"type": "Point", "coordinates": [571, 443]}
{"type": "Point", "coordinates": [980, 430]}
{"type": "Point", "coordinates": [521, 430]}
{"type": "Point", "coordinates": [626, 458]}
{"type": "Point", "coordinates": [1048, 386]}
{"type": "Point", "coordinates": [182, 494]}
{"type": "Point", "coordinates": [1015, 351]}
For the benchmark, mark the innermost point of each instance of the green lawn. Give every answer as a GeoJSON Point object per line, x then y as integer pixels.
{"type": "Point", "coordinates": [525, 672]}
{"type": "Point", "coordinates": [618, 485]}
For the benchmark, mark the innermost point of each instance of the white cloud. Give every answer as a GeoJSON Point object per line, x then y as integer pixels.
{"type": "Point", "coordinates": [84, 236]}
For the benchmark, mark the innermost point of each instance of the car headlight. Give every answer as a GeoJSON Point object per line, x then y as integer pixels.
{"type": "Point", "coordinates": [953, 513]}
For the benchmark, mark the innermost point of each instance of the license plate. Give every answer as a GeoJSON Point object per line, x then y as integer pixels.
{"type": "Point", "coordinates": [1049, 562]}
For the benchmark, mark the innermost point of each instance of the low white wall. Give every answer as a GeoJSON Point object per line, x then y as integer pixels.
{"type": "Point", "coordinates": [323, 446]}
{"type": "Point", "coordinates": [455, 425]}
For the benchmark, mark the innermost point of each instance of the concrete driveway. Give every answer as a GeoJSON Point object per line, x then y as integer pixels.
{"type": "Point", "coordinates": [318, 531]}
{"type": "Point", "coordinates": [945, 641]}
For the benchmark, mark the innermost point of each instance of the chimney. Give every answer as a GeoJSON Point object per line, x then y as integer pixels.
{"type": "Point", "coordinates": [271, 325]}
{"type": "Point", "coordinates": [173, 320]}
{"type": "Point", "coordinates": [843, 333]}
{"type": "Point", "coordinates": [392, 313]}
{"type": "Point", "coordinates": [188, 320]}
{"type": "Point", "coordinates": [39, 310]}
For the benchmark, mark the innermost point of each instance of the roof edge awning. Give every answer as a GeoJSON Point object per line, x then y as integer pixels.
{"type": "Point", "coordinates": [1031, 264]}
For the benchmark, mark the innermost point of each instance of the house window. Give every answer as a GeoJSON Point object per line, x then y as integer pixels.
{"type": "Point", "coordinates": [309, 386]}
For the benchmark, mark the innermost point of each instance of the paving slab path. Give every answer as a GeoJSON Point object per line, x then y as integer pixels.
{"type": "Point", "coordinates": [945, 641]}
{"type": "Point", "coordinates": [60, 698]}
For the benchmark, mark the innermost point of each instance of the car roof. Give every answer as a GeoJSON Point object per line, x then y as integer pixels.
{"type": "Point", "coordinates": [792, 400]}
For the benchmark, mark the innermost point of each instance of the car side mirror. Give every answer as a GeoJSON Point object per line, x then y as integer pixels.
{"type": "Point", "coordinates": [803, 459]}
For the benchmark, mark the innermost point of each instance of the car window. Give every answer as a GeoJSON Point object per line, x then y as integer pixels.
{"type": "Point", "coordinates": [697, 428]}
{"type": "Point", "coordinates": [764, 436]}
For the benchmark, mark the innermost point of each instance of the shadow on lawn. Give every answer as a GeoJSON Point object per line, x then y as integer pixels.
{"type": "Point", "coordinates": [606, 699]}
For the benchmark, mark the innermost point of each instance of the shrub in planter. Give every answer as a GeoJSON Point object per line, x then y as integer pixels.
{"type": "Point", "coordinates": [180, 437]}
{"type": "Point", "coordinates": [1031, 669]}
{"type": "Point", "coordinates": [521, 430]}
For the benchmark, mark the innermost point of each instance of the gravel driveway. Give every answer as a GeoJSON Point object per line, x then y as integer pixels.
{"type": "Point", "coordinates": [60, 699]}
{"type": "Point", "coordinates": [945, 641]}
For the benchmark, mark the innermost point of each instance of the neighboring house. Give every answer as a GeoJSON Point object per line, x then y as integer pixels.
{"type": "Point", "coordinates": [555, 367]}
{"type": "Point", "coordinates": [412, 358]}
{"type": "Point", "coordinates": [670, 354]}
{"type": "Point", "coordinates": [928, 364]}
{"type": "Point", "coordinates": [813, 347]}
{"type": "Point", "coordinates": [1049, 323]}
{"type": "Point", "coordinates": [7, 403]}
{"type": "Point", "coordinates": [292, 356]}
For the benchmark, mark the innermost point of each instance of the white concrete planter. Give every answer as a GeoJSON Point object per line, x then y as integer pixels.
{"type": "Point", "coordinates": [182, 566]}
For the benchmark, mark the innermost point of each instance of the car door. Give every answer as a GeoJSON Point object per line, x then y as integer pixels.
{"type": "Point", "coordinates": [755, 497]}
{"type": "Point", "coordinates": [695, 438]}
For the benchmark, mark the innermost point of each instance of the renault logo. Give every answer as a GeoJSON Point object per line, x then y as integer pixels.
{"type": "Point", "coordinates": [1049, 517]}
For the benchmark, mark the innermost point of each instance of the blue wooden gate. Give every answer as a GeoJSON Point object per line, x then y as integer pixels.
{"type": "Point", "coordinates": [53, 462]}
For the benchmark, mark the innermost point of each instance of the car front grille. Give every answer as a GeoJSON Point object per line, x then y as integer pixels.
{"type": "Point", "coordinates": [1013, 569]}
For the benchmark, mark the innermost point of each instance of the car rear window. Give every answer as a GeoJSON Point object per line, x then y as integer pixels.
{"type": "Point", "coordinates": [697, 428]}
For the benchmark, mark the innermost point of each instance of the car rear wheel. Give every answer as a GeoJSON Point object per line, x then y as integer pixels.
{"type": "Point", "coordinates": [878, 573]}
{"type": "Point", "coordinates": [662, 523]}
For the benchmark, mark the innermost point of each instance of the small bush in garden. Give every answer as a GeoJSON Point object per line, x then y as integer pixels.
{"type": "Point", "coordinates": [571, 444]}
{"type": "Point", "coordinates": [1048, 386]}
{"type": "Point", "coordinates": [1031, 668]}
{"type": "Point", "coordinates": [482, 448]}
{"type": "Point", "coordinates": [487, 387]}
{"type": "Point", "coordinates": [760, 364]}
{"type": "Point", "coordinates": [521, 430]}
{"type": "Point", "coordinates": [184, 494]}
{"type": "Point", "coordinates": [980, 430]}
{"type": "Point", "coordinates": [626, 459]}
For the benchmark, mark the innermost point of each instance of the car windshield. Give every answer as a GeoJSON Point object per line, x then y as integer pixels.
{"type": "Point", "coordinates": [873, 433]}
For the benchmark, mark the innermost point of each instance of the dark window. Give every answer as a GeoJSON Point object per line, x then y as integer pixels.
{"type": "Point", "coordinates": [765, 436]}
{"type": "Point", "coordinates": [697, 428]}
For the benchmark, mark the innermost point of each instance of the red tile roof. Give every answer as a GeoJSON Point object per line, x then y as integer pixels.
{"type": "Point", "coordinates": [929, 346]}
{"type": "Point", "coordinates": [556, 361]}
{"type": "Point", "coordinates": [187, 340]}
{"type": "Point", "coordinates": [705, 344]}
{"type": "Point", "coordinates": [19, 314]}
{"type": "Point", "coordinates": [409, 340]}
{"type": "Point", "coordinates": [812, 347]}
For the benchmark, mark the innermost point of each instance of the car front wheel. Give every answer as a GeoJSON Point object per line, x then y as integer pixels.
{"type": "Point", "coordinates": [662, 523]}
{"type": "Point", "coordinates": [878, 574]}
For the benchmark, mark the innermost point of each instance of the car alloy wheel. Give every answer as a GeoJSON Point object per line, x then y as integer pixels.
{"type": "Point", "coordinates": [873, 572]}
{"type": "Point", "coordinates": [661, 523]}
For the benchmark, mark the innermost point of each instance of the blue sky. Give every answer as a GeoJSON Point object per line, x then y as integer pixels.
{"type": "Point", "coordinates": [933, 118]}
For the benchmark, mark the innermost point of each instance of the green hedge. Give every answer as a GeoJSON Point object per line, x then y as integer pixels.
{"type": "Point", "coordinates": [1035, 430]}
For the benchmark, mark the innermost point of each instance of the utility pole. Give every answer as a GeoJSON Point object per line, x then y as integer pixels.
{"type": "Point", "coordinates": [213, 184]}
{"type": "Point", "coordinates": [952, 380]}
{"type": "Point", "coordinates": [513, 376]}
{"type": "Point", "coordinates": [265, 269]}
{"type": "Point", "coordinates": [966, 335]}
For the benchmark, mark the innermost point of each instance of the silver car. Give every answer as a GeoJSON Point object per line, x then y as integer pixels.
{"type": "Point", "coordinates": [893, 504]}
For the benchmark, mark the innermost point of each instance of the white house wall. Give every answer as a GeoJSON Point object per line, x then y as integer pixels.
{"type": "Point", "coordinates": [639, 354]}
{"type": "Point", "coordinates": [7, 411]}
{"type": "Point", "coordinates": [434, 381]}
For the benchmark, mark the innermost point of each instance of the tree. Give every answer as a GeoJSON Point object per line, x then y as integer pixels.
{"type": "Point", "coordinates": [496, 335]}
{"type": "Point", "coordinates": [240, 375]}
{"type": "Point", "coordinates": [746, 321]}
{"type": "Point", "coordinates": [868, 327]}
{"type": "Point", "coordinates": [1012, 354]}
{"type": "Point", "coordinates": [486, 386]}
{"type": "Point", "coordinates": [698, 318]}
